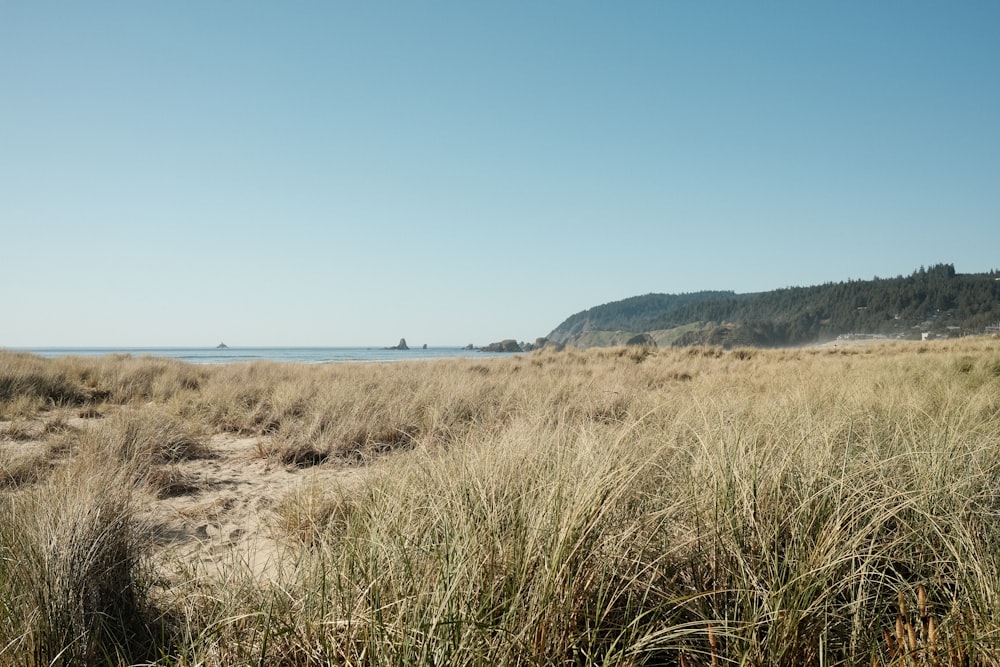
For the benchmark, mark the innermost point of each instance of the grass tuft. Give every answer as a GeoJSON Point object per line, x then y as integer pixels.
{"type": "Point", "coordinates": [71, 575]}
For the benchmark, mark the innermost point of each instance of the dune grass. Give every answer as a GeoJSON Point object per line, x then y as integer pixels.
{"type": "Point", "coordinates": [71, 581]}
{"type": "Point", "coordinates": [608, 507]}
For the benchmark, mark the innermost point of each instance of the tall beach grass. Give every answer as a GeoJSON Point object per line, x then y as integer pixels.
{"type": "Point", "coordinates": [609, 507]}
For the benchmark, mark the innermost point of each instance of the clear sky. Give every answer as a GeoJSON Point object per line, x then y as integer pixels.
{"type": "Point", "coordinates": [347, 173]}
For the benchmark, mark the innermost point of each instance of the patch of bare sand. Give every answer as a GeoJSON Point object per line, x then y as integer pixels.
{"type": "Point", "coordinates": [223, 516]}
{"type": "Point", "coordinates": [217, 513]}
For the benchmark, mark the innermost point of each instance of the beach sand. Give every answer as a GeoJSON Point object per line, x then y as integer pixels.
{"type": "Point", "coordinates": [220, 511]}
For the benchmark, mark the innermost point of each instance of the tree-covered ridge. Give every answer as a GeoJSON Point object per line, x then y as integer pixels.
{"type": "Point", "coordinates": [937, 300]}
{"type": "Point", "coordinates": [637, 313]}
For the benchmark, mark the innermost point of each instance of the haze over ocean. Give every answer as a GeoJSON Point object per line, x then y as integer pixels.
{"type": "Point", "coordinates": [346, 174]}
{"type": "Point", "coordinates": [309, 355]}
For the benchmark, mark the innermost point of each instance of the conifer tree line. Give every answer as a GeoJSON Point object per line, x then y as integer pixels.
{"type": "Point", "coordinates": [935, 300]}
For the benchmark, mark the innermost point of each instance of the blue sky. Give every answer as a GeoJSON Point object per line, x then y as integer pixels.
{"type": "Point", "coordinates": [347, 173]}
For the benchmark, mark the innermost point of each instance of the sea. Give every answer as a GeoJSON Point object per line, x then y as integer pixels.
{"type": "Point", "coordinates": [307, 355]}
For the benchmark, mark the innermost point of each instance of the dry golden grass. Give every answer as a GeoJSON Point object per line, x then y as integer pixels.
{"type": "Point", "coordinates": [698, 506]}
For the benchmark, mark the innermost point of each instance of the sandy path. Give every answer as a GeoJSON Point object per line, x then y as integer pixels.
{"type": "Point", "coordinates": [221, 511]}
{"type": "Point", "coordinates": [227, 513]}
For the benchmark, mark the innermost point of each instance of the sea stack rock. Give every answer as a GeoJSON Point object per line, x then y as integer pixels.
{"type": "Point", "coordinates": [402, 345]}
{"type": "Point", "coordinates": [506, 345]}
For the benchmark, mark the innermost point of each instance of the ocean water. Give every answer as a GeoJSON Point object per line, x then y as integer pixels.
{"type": "Point", "coordinates": [309, 355]}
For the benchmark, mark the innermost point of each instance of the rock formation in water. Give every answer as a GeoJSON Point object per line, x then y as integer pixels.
{"type": "Point", "coordinates": [506, 345]}
{"type": "Point", "coordinates": [402, 345]}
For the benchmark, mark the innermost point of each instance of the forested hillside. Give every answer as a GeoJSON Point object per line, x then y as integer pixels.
{"type": "Point", "coordinates": [935, 301]}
